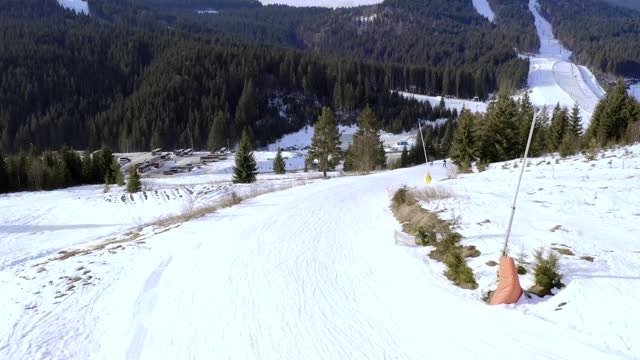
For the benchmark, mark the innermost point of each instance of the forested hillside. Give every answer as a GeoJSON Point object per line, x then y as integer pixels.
{"type": "Point", "coordinates": [464, 54]}
{"type": "Point", "coordinates": [516, 23]}
{"type": "Point", "coordinates": [140, 75]}
{"type": "Point", "coordinates": [601, 35]}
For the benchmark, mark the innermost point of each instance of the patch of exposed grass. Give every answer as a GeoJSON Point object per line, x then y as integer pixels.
{"type": "Point", "coordinates": [564, 251]}
{"type": "Point", "coordinates": [491, 263]}
{"type": "Point", "coordinates": [433, 193]}
{"type": "Point", "coordinates": [587, 258]}
{"type": "Point", "coordinates": [431, 230]}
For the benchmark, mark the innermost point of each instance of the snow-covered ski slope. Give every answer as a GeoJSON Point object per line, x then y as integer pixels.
{"type": "Point", "coordinates": [322, 3]}
{"type": "Point", "coordinates": [78, 6]}
{"type": "Point", "coordinates": [483, 8]}
{"type": "Point", "coordinates": [450, 103]}
{"type": "Point", "coordinates": [313, 273]}
{"type": "Point", "coordinates": [553, 78]}
{"type": "Point", "coordinates": [634, 90]}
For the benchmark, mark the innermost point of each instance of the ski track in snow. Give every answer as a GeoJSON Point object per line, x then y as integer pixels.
{"type": "Point", "coordinates": [554, 79]}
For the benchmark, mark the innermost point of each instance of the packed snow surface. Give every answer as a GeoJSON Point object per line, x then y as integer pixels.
{"type": "Point", "coordinates": [322, 3]}
{"type": "Point", "coordinates": [483, 8]}
{"type": "Point", "coordinates": [78, 6]}
{"type": "Point", "coordinates": [313, 272]}
{"type": "Point", "coordinates": [450, 103]}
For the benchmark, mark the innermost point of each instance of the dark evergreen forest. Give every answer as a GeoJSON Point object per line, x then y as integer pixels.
{"type": "Point", "coordinates": [154, 73]}
{"type": "Point", "coordinates": [600, 34]}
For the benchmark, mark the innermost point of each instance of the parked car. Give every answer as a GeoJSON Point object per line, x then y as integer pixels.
{"type": "Point", "coordinates": [124, 160]}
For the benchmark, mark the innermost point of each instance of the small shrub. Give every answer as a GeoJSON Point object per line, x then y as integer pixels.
{"type": "Point", "coordinates": [521, 270]}
{"type": "Point", "coordinates": [449, 244]}
{"type": "Point", "coordinates": [546, 273]}
{"type": "Point", "coordinates": [482, 166]}
{"type": "Point", "coordinates": [491, 263]}
{"type": "Point", "coordinates": [587, 258]}
{"type": "Point", "coordinates": [458, 271]}
{"type": "Point", "coordinates": [401, 196]}
{"type": "Point", "coordinates": [592, 150]}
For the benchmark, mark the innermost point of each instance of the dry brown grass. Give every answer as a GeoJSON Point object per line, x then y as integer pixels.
{"type": "Point", "coordinates": [564, 251]}
{"type": "Point", "coordinates": [189, 212]}
{"type": "Point", "coordinates": [416, 220]}
{"type": "Point", "coordinates": [433, 193]}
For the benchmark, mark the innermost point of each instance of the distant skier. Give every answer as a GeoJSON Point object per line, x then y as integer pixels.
{"type": "Point", "coordinates": [444, 163]}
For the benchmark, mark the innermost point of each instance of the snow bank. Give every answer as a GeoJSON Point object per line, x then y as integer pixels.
{"type": "Point", "coordinates": [78, 6]}
{"type": "Point", "coordinates": [483, 8]}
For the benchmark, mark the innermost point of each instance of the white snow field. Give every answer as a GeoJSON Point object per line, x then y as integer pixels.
{"type": "Point", "coordinates": [483, 8]}
{"type": "Point", "coordinates": [78, 6]}
{"type": "Point", "coordinates": [322, 3]}
{"type": "Point", "coordinates": [56, 220]}
{"type": "Point", "coordinates": [450, 103]}
{"type": "Point", "coordinates": [553, 78]}
{"type": "Point", "coordinates": [313, 272]}
{"type": "Point", "coordinates": [634, 90]}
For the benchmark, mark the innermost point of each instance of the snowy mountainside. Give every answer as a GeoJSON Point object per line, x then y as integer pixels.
{"type": "Point", "coordinates": [553, 78]}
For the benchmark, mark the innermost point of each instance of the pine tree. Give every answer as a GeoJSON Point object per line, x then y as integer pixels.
{"type": "Point", "coordinates": [117, 173]}
{"type": "Point", "coordinates": [245, 169]}
{"type": "Point", "coordinates": [4, 175]}
{"type": "Point", "coordinates": [575, 121]}
{"type": "Point", "coordinates": [498, 138]}
{"type": "Point", "coordinates": [612, 116]}
{"type": "Point", "coordinates": [559, 124]}
{"type": "Point", "coordinates": [246, 112]}
{"type": "Point", "coordinates": [539, 141]}
{"type": "Point", "coordinates": [366, 152]}
{"type": "Point", "coordinates": [216, 139]}
{"type": "Point", "coordinates": [325, 143]}
{"type": "Point", "coordinates": [463, 151]}
{"type": "Point", "coordinates": [404, 157]}
{"type": "Point", "coordinates": [526, 117]}
{"type": "Point", "coordinates": [278, 164]}
{"type": "Point", "coordinates": [133, 180]}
